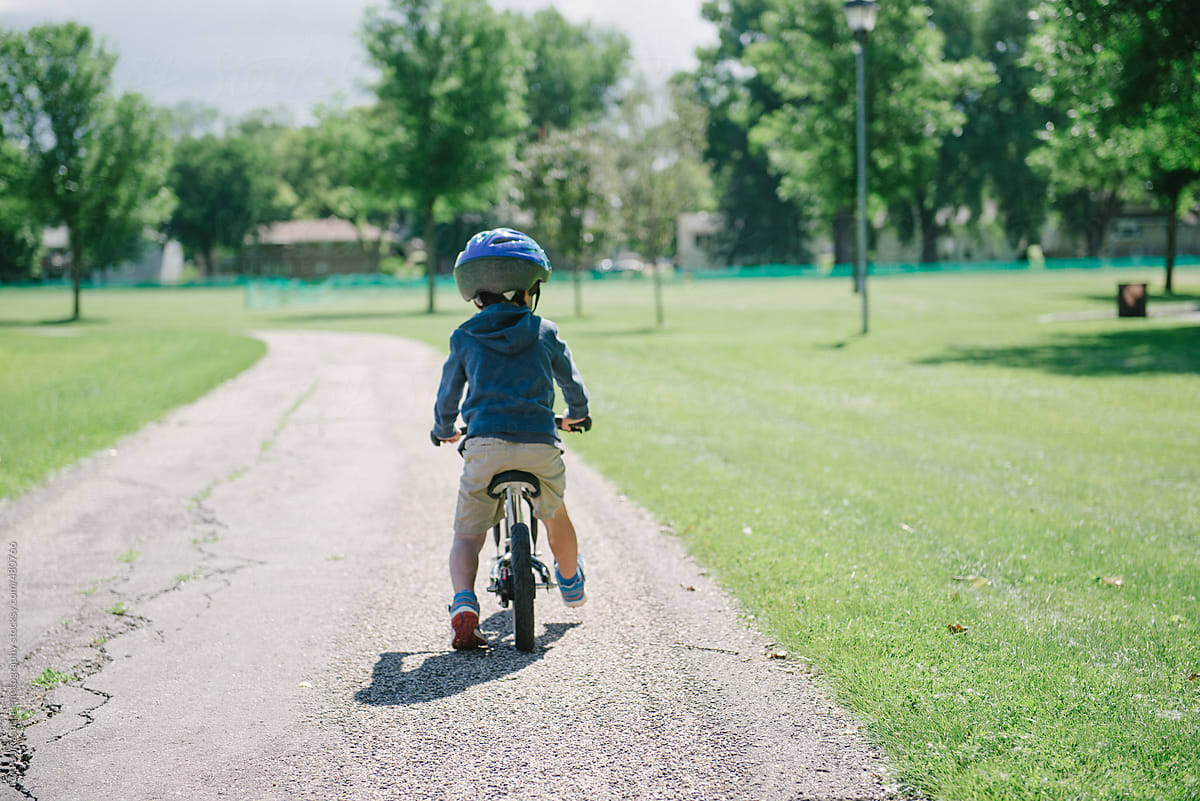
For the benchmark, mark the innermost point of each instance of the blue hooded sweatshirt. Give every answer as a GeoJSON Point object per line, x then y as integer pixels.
{"type": "Point", "coordinates": [508, 359]}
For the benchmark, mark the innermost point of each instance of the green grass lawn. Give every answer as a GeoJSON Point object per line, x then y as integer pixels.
{"type": "Point", "coordinates": [70, 390]}
{"type": "Point", "coordinates": [980, 529]}
{"type": "Point", "coordinates": [965, 466]}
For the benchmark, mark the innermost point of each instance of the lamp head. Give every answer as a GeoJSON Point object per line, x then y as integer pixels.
{"type": "Point", "coordinates": [860, 15]}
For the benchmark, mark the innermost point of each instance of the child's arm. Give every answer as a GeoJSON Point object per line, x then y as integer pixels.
{"type": "Point", "coordinates": [568, 378]}
{"type": "Point", "coordinates": [445, 410]}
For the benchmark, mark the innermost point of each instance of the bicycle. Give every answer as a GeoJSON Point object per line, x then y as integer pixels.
{"type": "Point", "coordinates": [517, 572]}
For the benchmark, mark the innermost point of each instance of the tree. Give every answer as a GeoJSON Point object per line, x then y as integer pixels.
{"type": "Point", "coordinates": [1155, 42]}
{"type": "Point", "coordinates": [988, 155]}
{"type": "Point", "coordinates": [19, 240]}
{"type": "Point", "coordinates": [564, 166]}
{"type": "Point", "coordinates": [127, 175]}
{"type": "Point", "coordinates": [452, 90]}
{"type": "Point", "coordinates": [566, 180]}
{"type": "Point", "coordinates": [222, 195]}
{"type": "Point", "coordinates": [1089, 177]}
{"type": "Point", "coordinates": [341, 155]}
{"type": "Point", "coordinates": [660, 174]}
{"type": "Point", "coordinates": [1127, 73]}
{"type": "Point", "coordinates": [914, 99]}
{"type": "Point", "coordinates": [272, 142]}
{"type": "Point", "coordinates": [761, 224]}
{"type": "Point", "coordinates": [1173, 151]}
{"type": "Point", "coordinates": [573, 71]}
{"type": "Point", "coordinates": [190, 118]}
{"type": "Point", "coordinates": [96, 164]}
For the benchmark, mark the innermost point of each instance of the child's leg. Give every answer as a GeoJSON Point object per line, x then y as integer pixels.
{"type": "Point", "coordinates": [560, 532]}
{"type": "Point", "coordinates": [464, 560]}
{"type": "Point", "coordinates": [464, 610]}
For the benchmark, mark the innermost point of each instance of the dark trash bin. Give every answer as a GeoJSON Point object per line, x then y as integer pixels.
{"type": "Point", "coordinates": [1131, 300]}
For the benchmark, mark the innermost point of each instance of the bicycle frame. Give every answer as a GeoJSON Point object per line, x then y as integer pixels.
{"type": "Point", "coordinates": [518, 509]}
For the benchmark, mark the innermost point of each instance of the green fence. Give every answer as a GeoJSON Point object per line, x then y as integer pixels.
{"type": "Point", "coordinates": [845, 270]}
{"type": "Point", "coordinates": [268, 293]}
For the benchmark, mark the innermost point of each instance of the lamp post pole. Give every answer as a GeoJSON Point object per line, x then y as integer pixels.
{"type": "Point", "coordinates": [861, 262]}
{"type": "Point", "coordinates": [860, 15]}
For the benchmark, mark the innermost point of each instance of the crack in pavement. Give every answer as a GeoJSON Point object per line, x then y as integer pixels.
{"type": "Point", "coordinates": [85, 713]}
{"type": "Point", "coordinates": [93, 629]}
{"type": "Point", "coordinates": [266, 445]}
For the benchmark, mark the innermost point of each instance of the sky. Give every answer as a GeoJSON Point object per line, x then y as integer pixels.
{"type": "Point", "coordinates": [240, 55]}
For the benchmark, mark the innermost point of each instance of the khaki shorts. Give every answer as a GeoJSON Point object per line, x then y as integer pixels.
{"type": "Point", "coordinates": [484, 457]}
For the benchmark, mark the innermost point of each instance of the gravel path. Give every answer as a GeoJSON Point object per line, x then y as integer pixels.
{"type": "Point", "coordinates": [278, 549]}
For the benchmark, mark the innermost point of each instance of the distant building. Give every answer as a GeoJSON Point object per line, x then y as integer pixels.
{"type": "Point", "coordinates": [56, 252]}
{"type": "Point", "coordinates": [695, 237]}
{"type": "Point", "coordinates": [315, 248]}
{"type": "Point", "coordinates": [160, 262]}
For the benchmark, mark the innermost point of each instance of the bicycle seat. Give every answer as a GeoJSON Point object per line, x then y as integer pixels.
{"type": "Point", "coordinates": [514, 476]}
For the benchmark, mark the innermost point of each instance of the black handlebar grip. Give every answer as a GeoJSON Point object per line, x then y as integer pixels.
{"type": "Point", "coordinates": [438, 442]}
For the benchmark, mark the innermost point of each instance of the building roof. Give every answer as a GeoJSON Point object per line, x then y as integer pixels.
{"type": "Point", "coordinates": [330, 229]}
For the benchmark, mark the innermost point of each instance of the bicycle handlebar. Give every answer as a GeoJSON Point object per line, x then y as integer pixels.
{"type": "Point", "coordinates": [583, 425]}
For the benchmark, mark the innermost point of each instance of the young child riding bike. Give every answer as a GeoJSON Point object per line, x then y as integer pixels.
{"type": "Point", "coordinates": [508, 360]}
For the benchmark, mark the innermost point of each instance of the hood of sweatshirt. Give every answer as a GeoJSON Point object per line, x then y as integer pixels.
{"type": "Point", "coordinates": [503, 328]}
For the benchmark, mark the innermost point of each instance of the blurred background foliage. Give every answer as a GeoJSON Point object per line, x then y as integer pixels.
{"type": "Point", "coordinates": [994, 118]}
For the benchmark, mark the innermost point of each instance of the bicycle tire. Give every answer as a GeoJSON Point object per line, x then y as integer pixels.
{"type": "Point", "coordinates": [523, 589]}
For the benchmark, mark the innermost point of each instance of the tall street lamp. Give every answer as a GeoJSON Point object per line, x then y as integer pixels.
{"type": "Point", "coordinates": [860, 14]}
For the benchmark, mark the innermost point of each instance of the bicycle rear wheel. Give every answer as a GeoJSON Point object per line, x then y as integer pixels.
{"type": "Point", "coordinates": [522, 567]}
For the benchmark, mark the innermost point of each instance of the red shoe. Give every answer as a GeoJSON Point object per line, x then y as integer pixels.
{"type": "Point", "coordinates": [466, 631]}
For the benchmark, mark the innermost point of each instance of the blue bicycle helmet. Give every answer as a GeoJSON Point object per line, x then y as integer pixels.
{"type": "Point", "coordinates": [499, 261]}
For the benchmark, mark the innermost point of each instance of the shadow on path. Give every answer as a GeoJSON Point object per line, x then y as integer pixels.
{"type": "Point", "coordinates": [447, 673]}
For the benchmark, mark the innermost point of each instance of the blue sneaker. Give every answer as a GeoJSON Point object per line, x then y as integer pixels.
{"type": "Point", "coordinates": [572, 588]}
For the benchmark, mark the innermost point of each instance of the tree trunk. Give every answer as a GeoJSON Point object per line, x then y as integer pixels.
{"type": "Point", "coordinates": [375, 253]}
{"type": "Point", "coordinates": [76, 277]}
{"type": "Point", "coordinates": [578, 289]}
{"type": "Point", "coordinates": [75, 246]}
{"type": "Point", "coordinates": [1099, 221]}
{"type": "Point", "coordinates": [1096, 227]}
{"type": "Point", "coordinates": [930, 233]}
{"type": "Point", "coordinates": [843, 239]}
{"type": "Point", "coordinates": [206, 259]}
{"type": "Point", "coordinates": [1172, 238]}
{"type": "Point", "coordinates": [430, 255]}
{"type": "Point", "coordinates": [658, 299]}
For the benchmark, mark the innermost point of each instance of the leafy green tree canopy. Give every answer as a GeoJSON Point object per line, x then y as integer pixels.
{"type": "Point", "coordinates": [573, 70]}
{"type": "Point", "coordinates": [806, 55]}
{"type": "Point", "coordinates": [20, 243]}
{"type": "Point", "coordinates": [761, 224]}
{"type": "Point", "coordinates": [1122, 77]}
{"type": "Point", "coordinates": [222, 195]}
{"type": "Point", "coordinates": [96, 164]}
{"type": "Point", "coordinates": [452, 89]}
